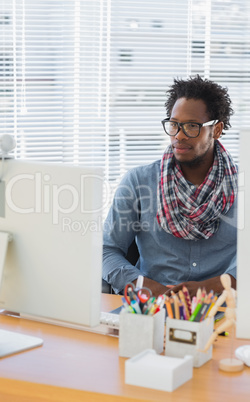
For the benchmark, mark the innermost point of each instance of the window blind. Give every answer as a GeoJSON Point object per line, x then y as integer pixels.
{"type": "Point", "coordinates": [84, 81]}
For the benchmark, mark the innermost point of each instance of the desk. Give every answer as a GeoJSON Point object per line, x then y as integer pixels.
{"type": "Point", "coordinates": [74, 366]}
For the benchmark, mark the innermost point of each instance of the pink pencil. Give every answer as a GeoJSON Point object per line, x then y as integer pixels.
{"type": "Point", "coordinates": [187, 298]}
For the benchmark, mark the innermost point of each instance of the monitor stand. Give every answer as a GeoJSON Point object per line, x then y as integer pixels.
{"type": "Point", "coordinates": [12, 342]}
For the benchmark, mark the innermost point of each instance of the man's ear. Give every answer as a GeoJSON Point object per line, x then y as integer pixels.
{"type": "Point", "coordinates": [218, 130]}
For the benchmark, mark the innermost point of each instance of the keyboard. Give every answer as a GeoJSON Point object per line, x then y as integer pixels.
{"type": "Point", "coordinates": [109, 319]}
{"type": "Point", "coordinates": [109, 325]}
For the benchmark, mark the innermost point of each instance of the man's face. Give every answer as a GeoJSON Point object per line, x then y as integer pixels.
{"type": "Point", "coordinates": [192, 151]}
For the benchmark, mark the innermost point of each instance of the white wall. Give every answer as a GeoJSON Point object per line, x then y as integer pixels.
{"type": "Point", "coordinates": [243, 276]}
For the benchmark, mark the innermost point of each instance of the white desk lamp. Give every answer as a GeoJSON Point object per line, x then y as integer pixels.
{"type": "Point", "coordinates": [7, 144]}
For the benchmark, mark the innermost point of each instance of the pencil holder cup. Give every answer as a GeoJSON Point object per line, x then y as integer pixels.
{"type": "Point", "coordinates": [188, 338]}
{"type": "Point", "coordinates": [138, 332]}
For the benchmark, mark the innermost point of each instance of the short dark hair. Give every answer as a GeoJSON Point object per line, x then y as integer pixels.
{"type": "Point", "coordinates": [215, 97]}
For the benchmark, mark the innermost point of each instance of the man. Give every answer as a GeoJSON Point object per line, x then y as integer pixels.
{"type": "Point", "coordinates": [181, 210]}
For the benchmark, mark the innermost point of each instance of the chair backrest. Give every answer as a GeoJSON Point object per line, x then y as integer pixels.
{"type": "Point", "coordinates": [133, 253]}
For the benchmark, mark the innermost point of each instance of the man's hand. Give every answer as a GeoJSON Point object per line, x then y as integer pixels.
{"type": "Point", "coordinates": [209, 284]}
{"type": "Point", "coordinates": [155, 287]}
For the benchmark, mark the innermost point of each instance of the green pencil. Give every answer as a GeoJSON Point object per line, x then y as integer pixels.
{"type": "Point", "coordinates": [196, 311]}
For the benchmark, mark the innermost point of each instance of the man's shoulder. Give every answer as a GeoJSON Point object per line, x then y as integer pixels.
{"type": "Point", "coordinates": [146, 170]}
{"type": "Point", "coordinates": [141, 175]}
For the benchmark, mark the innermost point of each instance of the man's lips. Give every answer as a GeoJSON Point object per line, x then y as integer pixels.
{"type": "Point", "coordinates": [181, 148]}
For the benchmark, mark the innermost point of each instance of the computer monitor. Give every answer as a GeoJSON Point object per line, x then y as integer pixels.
{"type": "Point", "coordinates": [53, 264]}
{"type": "Point", "coordinates": [243, 246]}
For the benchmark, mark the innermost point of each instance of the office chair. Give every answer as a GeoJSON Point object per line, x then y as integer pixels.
{"type": "Point", "coordinates": [132, 257]}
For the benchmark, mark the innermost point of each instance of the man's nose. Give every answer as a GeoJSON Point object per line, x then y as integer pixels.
{"type": "Point", "coordinates": [180, 135]}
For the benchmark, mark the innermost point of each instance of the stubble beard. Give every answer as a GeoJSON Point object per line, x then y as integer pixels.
{"type": "Point", "coordinates": [197, 161]}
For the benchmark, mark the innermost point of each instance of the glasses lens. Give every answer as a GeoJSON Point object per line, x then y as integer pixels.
{"type": "Point", "coordinates": [191, 129]}
{"type": "Point", "coordinates": [171, 127]}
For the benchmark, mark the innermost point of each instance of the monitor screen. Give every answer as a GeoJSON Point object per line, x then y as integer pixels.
{"type": "Point", "coordinates": [53, 264]}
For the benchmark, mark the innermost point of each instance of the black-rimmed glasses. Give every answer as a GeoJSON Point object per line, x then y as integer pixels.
{"type": "Point", "coordinates": [190, 129]}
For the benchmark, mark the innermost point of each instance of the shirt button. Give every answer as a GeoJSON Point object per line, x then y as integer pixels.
{"type": "Point", "coordinates": [194, 264]}
{"type": "Point", "coordinates": [192, 187]}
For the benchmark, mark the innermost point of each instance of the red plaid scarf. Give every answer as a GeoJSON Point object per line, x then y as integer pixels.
{"type": "Point", "coordinates": [195, 215]}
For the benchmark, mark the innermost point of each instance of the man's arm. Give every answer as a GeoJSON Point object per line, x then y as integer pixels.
{"type": "Point", "coordinates": [192, 286]}
{"type": "Point", "coordinates": [155, 287]}
{"type": "Point", "coordinates": [119, 231]}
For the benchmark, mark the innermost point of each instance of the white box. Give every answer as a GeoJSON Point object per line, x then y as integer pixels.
{"type": "Point", "coordinates": [150, 370]}
{"type": "Point", "coordinates": [138, 332]}
{"type": "Point", "coordinates": [189, 338]}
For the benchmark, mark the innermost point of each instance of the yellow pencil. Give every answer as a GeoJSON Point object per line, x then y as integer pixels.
{"type": "Point", "coordinates": [168, 306]}
{"type": "Point", "coordinates": [176, 305]}
{"type": "Point", "coordinates": [211, 306]}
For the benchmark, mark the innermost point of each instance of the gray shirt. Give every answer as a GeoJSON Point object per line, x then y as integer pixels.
{"type": "Point", "coordinates": [163, 257]}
